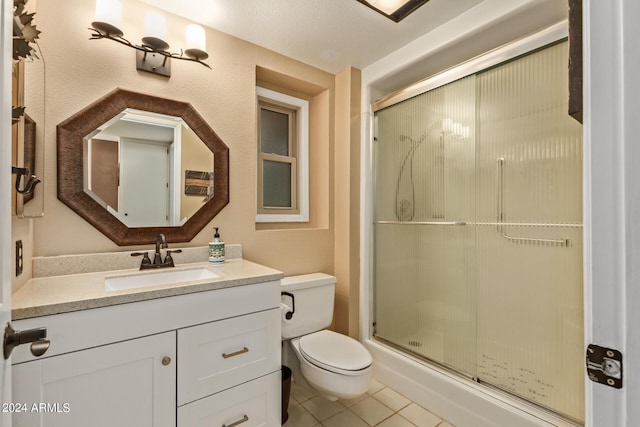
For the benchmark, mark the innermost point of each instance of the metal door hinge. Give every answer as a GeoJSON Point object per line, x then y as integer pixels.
{"type": "Point", "coordinates": [604, 365]}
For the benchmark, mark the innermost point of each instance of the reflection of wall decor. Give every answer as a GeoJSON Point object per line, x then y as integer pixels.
{"type": "Point", "coordinates": [29, 148]}
{"type": "Point", "coordinates": [24, 33]}
{"type": "Point", "coordinates": [28, 88]}
{"type": "Point", "coordinates": [16, 113]}
{"type": "Point", "coordinates": [25, 181]}
{"type": "Point", "coordinates": [198, 183]}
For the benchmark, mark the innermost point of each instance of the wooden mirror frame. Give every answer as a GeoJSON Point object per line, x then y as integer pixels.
{"type": "Point", "coordinates": [70, 134]}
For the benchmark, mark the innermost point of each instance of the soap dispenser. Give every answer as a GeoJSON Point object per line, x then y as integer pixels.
{"type": "Point", "coordinates": [216, 249]}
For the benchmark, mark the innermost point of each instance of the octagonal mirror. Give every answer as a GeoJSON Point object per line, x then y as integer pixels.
{"type": "Point", "coordinates": [136, 165]}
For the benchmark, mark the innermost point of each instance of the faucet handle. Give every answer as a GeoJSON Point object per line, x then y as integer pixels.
{"type": "Point", "coordinates": [145, 258]}
{"type": "Point", "coordinates": [168, 259]}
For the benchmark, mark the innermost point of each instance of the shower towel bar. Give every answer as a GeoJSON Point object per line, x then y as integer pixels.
{"type": "Point", "coordinates": [422, 222]}
{"type": "Point", "coordinates": [500, 213]}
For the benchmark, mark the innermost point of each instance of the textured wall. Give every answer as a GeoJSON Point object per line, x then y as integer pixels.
{"type": "Point", "coordinates": [78, 71]}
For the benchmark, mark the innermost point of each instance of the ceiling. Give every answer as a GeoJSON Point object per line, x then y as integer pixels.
{"type": "Point", "coordinates": [327, 34]}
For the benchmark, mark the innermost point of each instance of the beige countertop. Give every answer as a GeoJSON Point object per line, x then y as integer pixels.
{"type": "Point", "coordinates": [61, 294]}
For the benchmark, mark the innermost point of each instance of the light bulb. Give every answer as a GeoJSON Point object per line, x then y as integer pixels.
{"type": "Point", "coordinates": [388, 6]}
{"type": "Point", "coordinates": [196, 42]}
{"type": "Point", "coordinates": [155, 31]}
{"type": "Point", "coordinates": [107, 18]}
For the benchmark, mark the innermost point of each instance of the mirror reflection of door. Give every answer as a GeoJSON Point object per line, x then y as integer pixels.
{"type": "Point", "coordinates": [144, 183]}
{"type": "Point", "coordinates": [103, 170]}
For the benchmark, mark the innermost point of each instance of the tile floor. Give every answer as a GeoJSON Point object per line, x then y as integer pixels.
{"type": "Point", "coordinates": [380, 406]}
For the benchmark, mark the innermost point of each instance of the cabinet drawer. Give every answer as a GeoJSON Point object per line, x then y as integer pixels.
{"type": "Point", "coordinates": [216, 356]}
{"type": "Point", "coordinates": [252, 404]}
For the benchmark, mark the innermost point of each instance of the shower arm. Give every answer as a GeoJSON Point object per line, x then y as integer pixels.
{"type": "Point", "coordinates": [500, 223]}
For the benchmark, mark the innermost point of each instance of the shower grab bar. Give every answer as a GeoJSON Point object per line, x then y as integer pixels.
{"type": "Point", "coordinates": [422, 222]}
{"type": "Point", "coordinates": [500, 213]}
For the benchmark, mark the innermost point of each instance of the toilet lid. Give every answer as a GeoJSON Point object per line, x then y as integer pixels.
{"type": "Point", "coordinates": [335, 352]}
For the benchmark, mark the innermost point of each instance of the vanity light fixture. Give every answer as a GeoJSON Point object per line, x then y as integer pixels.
{"type": "Point", "coordinates": [396, 10]}
{"type": "Point", "coordinates": [153, 53]}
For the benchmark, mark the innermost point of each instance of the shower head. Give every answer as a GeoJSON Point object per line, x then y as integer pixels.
{"type": "Point", "coordinates": [405, 138]}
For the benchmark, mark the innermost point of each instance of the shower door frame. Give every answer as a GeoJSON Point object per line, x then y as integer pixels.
{"type": "Point", "coordinates": [516, 49]}
{"type": "Point", "coordinates": [611, 200]}
{"type": "Point", "coordinates": [609, 282]}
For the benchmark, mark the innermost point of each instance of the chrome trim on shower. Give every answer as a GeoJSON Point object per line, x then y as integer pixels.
{"type": "Point", "coordinates": [527, 224]}
{"type": "Point", "coordinates": [501, 54]}
{"type": "Point", "coordinates": [500, 215]}
{"type": "Point", "coordinates": [473, 223]}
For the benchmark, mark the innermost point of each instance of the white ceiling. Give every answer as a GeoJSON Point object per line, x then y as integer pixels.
{"type": "Point", "coordinates": [327, 34]}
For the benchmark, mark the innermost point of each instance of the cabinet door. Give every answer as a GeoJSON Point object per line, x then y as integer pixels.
{"type": "Point", "coordinates": [219, 355]}
{"type": "Point", "coordinates": [252, 404]}
{"type": "Point", "coordinates": [122, 384]}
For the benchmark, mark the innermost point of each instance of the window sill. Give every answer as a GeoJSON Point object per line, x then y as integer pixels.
{"type": "Point", "coordinates": [282, 218]}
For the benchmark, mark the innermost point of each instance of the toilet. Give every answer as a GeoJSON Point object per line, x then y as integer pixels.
{"type": "Point", "coordinates": [335, 365]}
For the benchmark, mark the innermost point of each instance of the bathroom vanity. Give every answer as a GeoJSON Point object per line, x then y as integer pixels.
{"type": "Point", "coordinates": [191, 353]}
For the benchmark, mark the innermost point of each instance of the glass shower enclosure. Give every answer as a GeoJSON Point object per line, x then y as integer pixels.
{"type": "Point", "coordinates": [478, 230]}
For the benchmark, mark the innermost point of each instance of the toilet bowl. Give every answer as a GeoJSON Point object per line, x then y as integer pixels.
{"type": "Point", "coordinates": [335, 365]}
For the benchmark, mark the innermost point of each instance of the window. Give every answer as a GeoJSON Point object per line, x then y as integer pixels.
{"type": "Point", "coordinates": [283, 172]}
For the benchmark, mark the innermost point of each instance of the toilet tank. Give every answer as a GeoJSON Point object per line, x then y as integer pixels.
{"type": "Point", "coordinates": [313, 294]}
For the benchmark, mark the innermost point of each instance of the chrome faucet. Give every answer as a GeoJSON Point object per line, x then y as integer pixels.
{"type": "Point", "coordinates": [161, 243]}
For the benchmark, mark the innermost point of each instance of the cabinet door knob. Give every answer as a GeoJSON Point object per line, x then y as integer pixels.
{"type": "Point", "coordinates": [166, 360]}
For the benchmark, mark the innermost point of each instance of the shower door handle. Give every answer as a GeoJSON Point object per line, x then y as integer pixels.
{"type": "Point", "coordinates": [500, 215]}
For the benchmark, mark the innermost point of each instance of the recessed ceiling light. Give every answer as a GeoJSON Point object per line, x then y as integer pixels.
{"type": "Point", "coordinates": [396, 10]}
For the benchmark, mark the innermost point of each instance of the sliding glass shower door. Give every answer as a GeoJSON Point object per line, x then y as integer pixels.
{"type": "Point", "coordinates": [478, 234]}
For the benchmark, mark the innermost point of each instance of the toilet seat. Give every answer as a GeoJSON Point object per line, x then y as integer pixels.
{"type": "Point", "coordinates": [335, 352]}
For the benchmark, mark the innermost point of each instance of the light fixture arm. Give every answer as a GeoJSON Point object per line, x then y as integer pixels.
{"type": "Point", "coordinates": [95, 35]}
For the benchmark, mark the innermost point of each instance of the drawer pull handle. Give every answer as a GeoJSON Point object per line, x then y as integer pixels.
{"type": "Point", "coordinates": [237, 423]}
{"type": "Point", "coordinates": [235, 353]}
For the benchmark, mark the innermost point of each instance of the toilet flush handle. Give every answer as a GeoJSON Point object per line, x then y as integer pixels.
{"type": "Point", "coordinates": [289, 315]}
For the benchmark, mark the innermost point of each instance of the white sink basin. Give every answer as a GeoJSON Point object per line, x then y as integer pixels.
{"type": "Point", "coordinates": [155, 278]}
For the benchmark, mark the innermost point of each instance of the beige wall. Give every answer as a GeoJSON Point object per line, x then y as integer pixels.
{"type": "Point", "coordinates": [79, 71]}
{"type": "Point", "coordinates": [347, 202]}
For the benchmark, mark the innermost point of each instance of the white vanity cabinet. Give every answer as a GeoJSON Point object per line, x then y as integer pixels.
{"type": "Point", "coordinates": [248, 404]}
{"type": "Point", "coordinates": [183, 361]}
{"type": "Point", "coordinates": [122, 384]}
{"type": "Point", "coordinates": [215, 357]}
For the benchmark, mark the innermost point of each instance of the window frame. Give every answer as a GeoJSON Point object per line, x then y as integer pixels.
{"type": "Point", "coordinates": [298, 110]}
